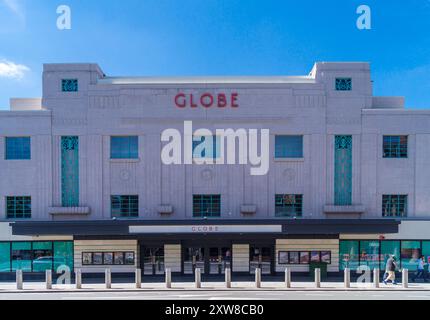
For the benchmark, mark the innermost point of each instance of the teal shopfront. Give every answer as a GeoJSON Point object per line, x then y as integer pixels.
{"type": "Point", "coordinates": [36, 256]}
{"type": "Point", "coordinates": [374, 253]}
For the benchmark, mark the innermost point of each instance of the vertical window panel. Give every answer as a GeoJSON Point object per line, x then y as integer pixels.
{"type": "Point", "coordinates": [343, 171]}
{"type": "Point", "coordinates": [70, 171]}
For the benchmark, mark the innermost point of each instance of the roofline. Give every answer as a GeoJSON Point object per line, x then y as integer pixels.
{"type": "Point", "coordinates": [206, 80]}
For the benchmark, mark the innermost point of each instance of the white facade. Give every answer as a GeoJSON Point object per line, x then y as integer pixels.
{"type": "Point", "coordinates": [309, 106]}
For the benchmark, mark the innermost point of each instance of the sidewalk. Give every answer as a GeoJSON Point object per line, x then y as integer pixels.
{"type": "Point", "coordinates": [35, 287]}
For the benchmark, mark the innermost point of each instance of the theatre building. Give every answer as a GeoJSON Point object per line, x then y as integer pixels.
{"type": "Point", "coordinates": [83, 183]}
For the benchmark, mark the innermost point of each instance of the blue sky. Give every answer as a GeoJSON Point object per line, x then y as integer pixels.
{"type": "Point", "coordinates": [217, 37]}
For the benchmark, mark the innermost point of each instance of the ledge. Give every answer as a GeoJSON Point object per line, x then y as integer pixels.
{"type": "Point", "coordinates": [248, 209]}
{"type": "Point", "coordinates": [358, 208]}
{"type": "Point", "coordinates": [69, 211]}
{"type": "Point", "coordinates": [165, 209]}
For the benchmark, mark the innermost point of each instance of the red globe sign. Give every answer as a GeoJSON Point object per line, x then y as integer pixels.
{"type": "Point", "coordinates": [207, 100]}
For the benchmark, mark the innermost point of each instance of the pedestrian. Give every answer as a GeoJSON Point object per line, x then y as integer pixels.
{"type": "Point", "coordinates": [390, 269]}
{"type": "Point", "coordinates": [420, 270]}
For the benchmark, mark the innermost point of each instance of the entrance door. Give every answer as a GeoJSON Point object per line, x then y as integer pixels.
{"type": "Point", "coordinates": [194, 257]}
{"type": "Point", "coordinates": [219, 259]}
{"type": "Point", "coordinates": [260, 257]}
{"type": "Point", "coordinates": [153, 260]}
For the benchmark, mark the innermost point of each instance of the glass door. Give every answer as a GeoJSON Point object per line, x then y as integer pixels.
{"type": "Point", "coordinates": [194, 258]}
{"type": "Point", "coordinates": [153, 261]}
{"type": "Point", "coordinates": [260, 257]}
{"type": "Point", "coordinates": [219, 260]}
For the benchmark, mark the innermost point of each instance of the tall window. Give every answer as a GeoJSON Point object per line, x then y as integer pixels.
{"type": "Point", "coordinates": [288, 205]}
{"type": "Point", "coordinates": [206, 205]}
{"type": "Point", "coordinates": [395, 146]}
{"type": "Point", "coordinates": [343, 84]}
{"type": "Point", "coordinates": [289, 147]}
{"type": "Point", "coordinates": [212, 150]}
{"type": "Point", "coordinates": [124, 147]}
{"type": "Point", "coordinates": [394, 205]}
{"type": "Point", "coordinates": [18, 207]}
{"type": "Point", "coordinates": [125, 206]}
{"type": "Point", "coordinates": [18, 148]}
{"type": "Point", "coordinates": [70, 171]}
{"type": "Point", "coordinates": [343, 171]}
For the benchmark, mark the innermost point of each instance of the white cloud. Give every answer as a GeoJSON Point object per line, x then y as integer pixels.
{"type": "Point", "coordinates": [12, 70]}
{"type": "Point", "coordinates": [15, 7]}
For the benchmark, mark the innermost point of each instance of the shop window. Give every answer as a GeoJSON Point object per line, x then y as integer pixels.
{"type": "Point", "coordinates": [410, 253]}
{"type": "Point", "coordinates": [63, 254]}
{"type": "Point", "coordinates": [124, 147]}
{"type": "Point", "coordinates": [125, 206]}
{"type": "Point", "coordinates": [206, 206]}
{"type": "Point", "coordinates": [343, 84]}
{"type": "Point", "coordinates": [394, 205]}
{"type": "Point", "coordinates": [389, 247]}
{"type": "Point", "coordinates": [21, 256]}
{"type": "Point", "coordinates": [18, 148]}
{"type": "Point", "coordinates": [426, 250]}
{"type": "Point", "coordinates": [42, 256]}
{"type": "Point", "coordinates": [288, 205]}
{"type": "Point", "coordinates": [211, 150]}
{"type": "Point", "coordinates": [18, 207]}
{"type": "Point", "coordinates": [288, 147]}
{"type": "Point", "coordinates": [69, 85]}
{"type": "Point", "coordinates": [4, 256]}
{"type": "Point", "coordinates": [395, 146]}
{"type": "Point", "coordinates": [369, 254]}
{"type": "Point", "coordinates": [348, 255]}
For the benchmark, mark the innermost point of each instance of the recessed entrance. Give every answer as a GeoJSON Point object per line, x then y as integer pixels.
{"type": "Point", "coordinates": [153, 260]}
{"type": "Point", "coordinates": [211, 260]}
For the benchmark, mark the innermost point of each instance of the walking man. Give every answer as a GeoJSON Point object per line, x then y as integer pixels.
{"type": "Point", "coordinates": [390, 269]}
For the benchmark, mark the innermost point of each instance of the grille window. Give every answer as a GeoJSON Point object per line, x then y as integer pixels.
{"type": "Point", "coordinates": [18, 207]}
{"type": "Point", "coordinates": [69, 85]}
{"type": "Point", "coordinates": [394, 205]}
{"type": "Point", "coordinates": [288, 205]}
{"type": "Point", "coordinates": [395, 146]}
{"type": "Point", "coordinates": [206, 205]}
{"type": "Point", "coordinates": [125, 206]}
{"type": "Point", "coordinates": [343, 84]}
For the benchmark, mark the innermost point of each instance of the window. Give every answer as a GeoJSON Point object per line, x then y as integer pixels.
{"type": "Point", "coordinates": [125, 206]}
{"type": "Point", "coordinates": [18, 148]}
{"type": "Point", "coordinates": [348, 255]}
{"type": "Point", "coordinates": [394, 205]}
{"type": "Point", "coordinates": [395, 146]}
{"type": "Point", "coordinates": [70, 171]}
{"type": "Point", "coordinates": [124, 147]}
{"type": "Point", "coordinates": [211, 151]}
{"type": "Point", "coordinates": [18, 207]}
{"type": "Point", "coordinates": [206, 206]}
{"type": "Point", "coordinates": [389, 248]}
{"type": "Point", "coordinates": [37, 256]}
{"type": "Point", "coordinates": [288, 147]}
{"type": "Point", "coordinates": [288, 205]}
{"type": "Point", "coordinates": [69, 85]}
{"type": "Point", "coordinates": [343, 84]}
{"type": "Point", "coordinates": [108, 258]}
{"type": "Point", "coordinates": [369, 253]}
{"type": "Point", "coordinates": [409, 254]}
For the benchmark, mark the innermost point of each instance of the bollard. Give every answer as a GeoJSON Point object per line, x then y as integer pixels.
{"type": "Point", "coordinates": [19, 280]}
{"type": "Point", "coordinates": [48, 279]}
{"type": "Point", "coordinates": [258, 278]}
{"type": "Point", "coordinates": [138, 279]}
{"type": "Point", "coordinates": [168, 278]}
{"type": "Point", "coordinates": [78, 279]}
{"type": "Point", "coordinates": [228, 278]}
{"type": "Point", "coordinates": [376, 278]}
{"type": "Point", "coordinates": [318, 278]}
{"type": "Point", "coordinates": [347, 278]}
{"type": "Point", "coordinates": [108, 279]}
{"type": "Point", "coordinates": [198, 278]}
{"type": "Point", "coordinates": [405, 278]}
{"type": "Point", "coordinates": [288, 277]}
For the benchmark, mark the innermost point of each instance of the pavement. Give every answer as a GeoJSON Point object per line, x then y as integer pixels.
{"type": "Point", "coordinates": [40, 287]}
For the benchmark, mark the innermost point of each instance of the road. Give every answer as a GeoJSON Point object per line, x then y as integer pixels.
{"type": "Point", "coordinates": [220, 296]}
